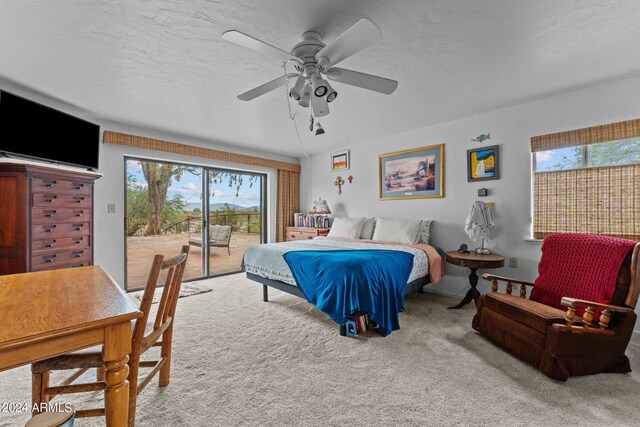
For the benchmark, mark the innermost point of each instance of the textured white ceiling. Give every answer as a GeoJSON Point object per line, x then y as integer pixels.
{"type": "Point", "coordinates": [161, 64]}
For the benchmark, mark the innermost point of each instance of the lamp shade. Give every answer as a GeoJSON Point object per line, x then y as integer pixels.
{"type": "Point", "coordinates": [320, 206]}
{"type": "Point", "coordinates": [479, 223]}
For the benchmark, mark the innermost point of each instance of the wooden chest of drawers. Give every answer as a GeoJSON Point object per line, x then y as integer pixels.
{"type": "Point", "coordinates": [46, 220]}
{"type": "Point", "coordinates": [304, 233]}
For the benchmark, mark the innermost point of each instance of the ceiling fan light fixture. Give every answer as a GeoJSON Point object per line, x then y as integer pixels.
{"type": "Point", "coordinates": [331, 92]}
{"type": "Point", "coordinates": [319, 85]}
{"type": "Point", "coordinates": [297, 90]}
{"type": "Point", "coordinates": [319, 106]}
{"type": "Point", "coordinates": [306, 96]}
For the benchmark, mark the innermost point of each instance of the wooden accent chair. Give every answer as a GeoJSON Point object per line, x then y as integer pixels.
{"type": "Point", "coordinates": [557, 329]}
{"type": "Point", "coordinates": [158, 334]}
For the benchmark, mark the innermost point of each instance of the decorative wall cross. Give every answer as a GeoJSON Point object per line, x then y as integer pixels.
{"type": "Point", "coordinates": [339, 182]}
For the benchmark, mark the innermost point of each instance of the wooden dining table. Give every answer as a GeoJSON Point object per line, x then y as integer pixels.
{"type": "Point", "coordinates": [49, 313]}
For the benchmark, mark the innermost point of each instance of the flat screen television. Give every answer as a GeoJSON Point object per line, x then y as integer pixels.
{"type": "Point", "coordinates": [33, 130]}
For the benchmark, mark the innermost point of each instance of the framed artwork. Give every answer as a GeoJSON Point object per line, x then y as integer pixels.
{"type": "Point", "coordinates": [483, 163]}
{"type": "Point", "coordinates": [412, 174]}
{"type": "Point", "coordinates": [340, 161]}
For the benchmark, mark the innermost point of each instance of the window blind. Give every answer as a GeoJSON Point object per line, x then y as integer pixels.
{"type": "Point", "coordinates": [598, 200]}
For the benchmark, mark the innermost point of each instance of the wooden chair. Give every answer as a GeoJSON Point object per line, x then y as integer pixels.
{"type": "Point", "coordinates": [53, 419]}
{"type": "Point", "coordinates": [584, 338]}
{"type": "Point", "coordinates": [159, 335]}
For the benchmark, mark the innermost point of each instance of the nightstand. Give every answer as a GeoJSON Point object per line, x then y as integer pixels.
{"type": "Point", "coordinates": [473, 262]}
{"type": "Point", "coordinates": [304, 233]}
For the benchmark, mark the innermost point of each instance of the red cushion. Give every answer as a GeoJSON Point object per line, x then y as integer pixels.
{"type": "Point", "coordinates": [583, 266]}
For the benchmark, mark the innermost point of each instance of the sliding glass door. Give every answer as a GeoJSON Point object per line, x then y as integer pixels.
{"type": "Point", "coordinates": [218, 213]}
{"type": "Point", "coordinates": [236, 204]}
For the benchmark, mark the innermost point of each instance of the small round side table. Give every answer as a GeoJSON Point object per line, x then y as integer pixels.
{"type": "Point", "coordinates": [473, 262]}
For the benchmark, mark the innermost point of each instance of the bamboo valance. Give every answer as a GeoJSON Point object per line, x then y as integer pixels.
{"type": "Point", "coordinates": [110, 137]}
{"type": "Point", "coordinates": [586, 136]}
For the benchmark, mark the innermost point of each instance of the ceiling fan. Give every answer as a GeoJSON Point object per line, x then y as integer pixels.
{"type": "Point", "coordinates": [315, 60]}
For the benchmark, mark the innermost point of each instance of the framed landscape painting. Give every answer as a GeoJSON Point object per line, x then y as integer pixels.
{"type": "Point", "coordinates": [412, 174]}
{"type": "Point", "coordinates": [483, 163]}
{"type": "Point", "coordinates": [340, 161]}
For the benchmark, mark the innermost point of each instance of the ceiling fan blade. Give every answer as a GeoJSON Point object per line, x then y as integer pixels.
{"type": "Point", "coordinates": [362, 34]}
{"type": "Point", "coordinates": [265, 88]}
{"type": "Point", "coordinates": [363, 80]}
{"type": "Point", "coordinates": [256, 45]}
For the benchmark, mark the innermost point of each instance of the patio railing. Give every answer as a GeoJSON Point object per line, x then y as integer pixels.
{"type": "Point", "coordinates": [240, 223]}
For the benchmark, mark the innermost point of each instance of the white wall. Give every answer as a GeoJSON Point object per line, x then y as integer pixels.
{"type": "Point", "coordinates": [511, 128]}
{"type": "Point", "coordinates": [109, 232]}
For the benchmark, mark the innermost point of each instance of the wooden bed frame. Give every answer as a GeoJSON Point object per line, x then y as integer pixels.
{"type": "Point", "coordinates": [415, 286]}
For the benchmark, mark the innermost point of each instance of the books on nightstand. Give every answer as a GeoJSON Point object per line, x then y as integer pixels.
{"type": "Point", "coordinates": [311, 220]}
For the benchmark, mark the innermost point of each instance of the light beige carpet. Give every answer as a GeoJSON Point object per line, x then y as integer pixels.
{"type": "Point", "coordinates": [186, 290]}
{"type": "Point", "coordinates": [240, 361]}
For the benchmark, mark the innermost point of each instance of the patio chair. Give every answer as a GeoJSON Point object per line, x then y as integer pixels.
{"type": "Point", "coordinates": [219, 237]}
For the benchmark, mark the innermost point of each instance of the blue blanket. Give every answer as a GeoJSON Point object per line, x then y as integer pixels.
{"type": "Point", "coordinates": [341, 282]}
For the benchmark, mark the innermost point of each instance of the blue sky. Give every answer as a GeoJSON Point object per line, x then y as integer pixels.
{"type": "Point", "coordinates": [190, 187]}
{"type": "Point", "coordinates": [545, 160]}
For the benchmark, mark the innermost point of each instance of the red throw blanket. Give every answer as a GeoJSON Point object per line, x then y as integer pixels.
{"type": "Point", "coordinates": [583, 266]}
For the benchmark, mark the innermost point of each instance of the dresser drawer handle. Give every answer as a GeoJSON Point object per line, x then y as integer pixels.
{"type": "Point", "coordinates": [49, 200]}
{"type": "Point", "coordinates": [49, 214]}
{"type": "Point", "coordinates": [79, 255]}
{"type": "Point", "coordinates": [78, 186]}
{"type": "Point", "coordinates": [79, 213]}
{"type": "Point", "coordinates": [49, 230]}
{"type": "Point", "coordinates": [79, 199]}
{"type": "Point", "coordinates": [50, 245]}
{"type": "Point", "coordinates": [48, 258]}
{"type": "Point", "coordinates": [49, 184]}
{"type": "Point", "coordinates": [77, 242]}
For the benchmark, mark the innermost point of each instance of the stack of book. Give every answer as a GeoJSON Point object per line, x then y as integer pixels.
{"type": "Point", "coordinates": [359, 323]}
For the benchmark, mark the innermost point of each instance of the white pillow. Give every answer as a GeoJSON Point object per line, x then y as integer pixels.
{"type": "Point", "coordinates": [367, 228]}
{"type": "Point", "coordinates": [425, 231]}
{"type": "Point", "coordinates": [346, 228]}
{"type": "Point", "coordinates": [397, 230]}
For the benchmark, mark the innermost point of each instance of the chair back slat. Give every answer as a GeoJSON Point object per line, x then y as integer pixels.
{"type": "Point", "coordinates": [175, 267]}
{"type": "Point", "coordinates": [168, 285]}
{"type": "Point", "coordinates": [147, 300]}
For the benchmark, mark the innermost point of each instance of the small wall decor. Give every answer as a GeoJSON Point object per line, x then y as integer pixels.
{"type": "Point", "coordinates": [340, 161]}
{"type": "Point", "coordinates": [483, 192]}
{"type": "Point", "coordinates": [482, 138]}
{"type": "Point", "coordinates": [483, 164]}
{"type": "Point", "coordinates": [339, 182]}
{"type": "Point", "coordinates": [412, 174]}
{"type": "Point", "coordinates": [350, 179]}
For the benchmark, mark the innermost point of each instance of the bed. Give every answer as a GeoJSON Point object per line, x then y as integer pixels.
{"type": "Point", "coordinates": [265, 264]}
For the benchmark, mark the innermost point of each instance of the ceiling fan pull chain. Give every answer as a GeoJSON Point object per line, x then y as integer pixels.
{"type": "Point", "coordinates": [291, 115]}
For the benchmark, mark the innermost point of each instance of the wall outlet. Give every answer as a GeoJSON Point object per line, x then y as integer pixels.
{"type": "Point", "coordinates": [111, 208]}
{"type": "Point", "coordinates": [513, 262]}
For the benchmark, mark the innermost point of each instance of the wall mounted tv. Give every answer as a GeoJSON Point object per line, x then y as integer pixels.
{"type": "Point", "coordinates": [33, 130]}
